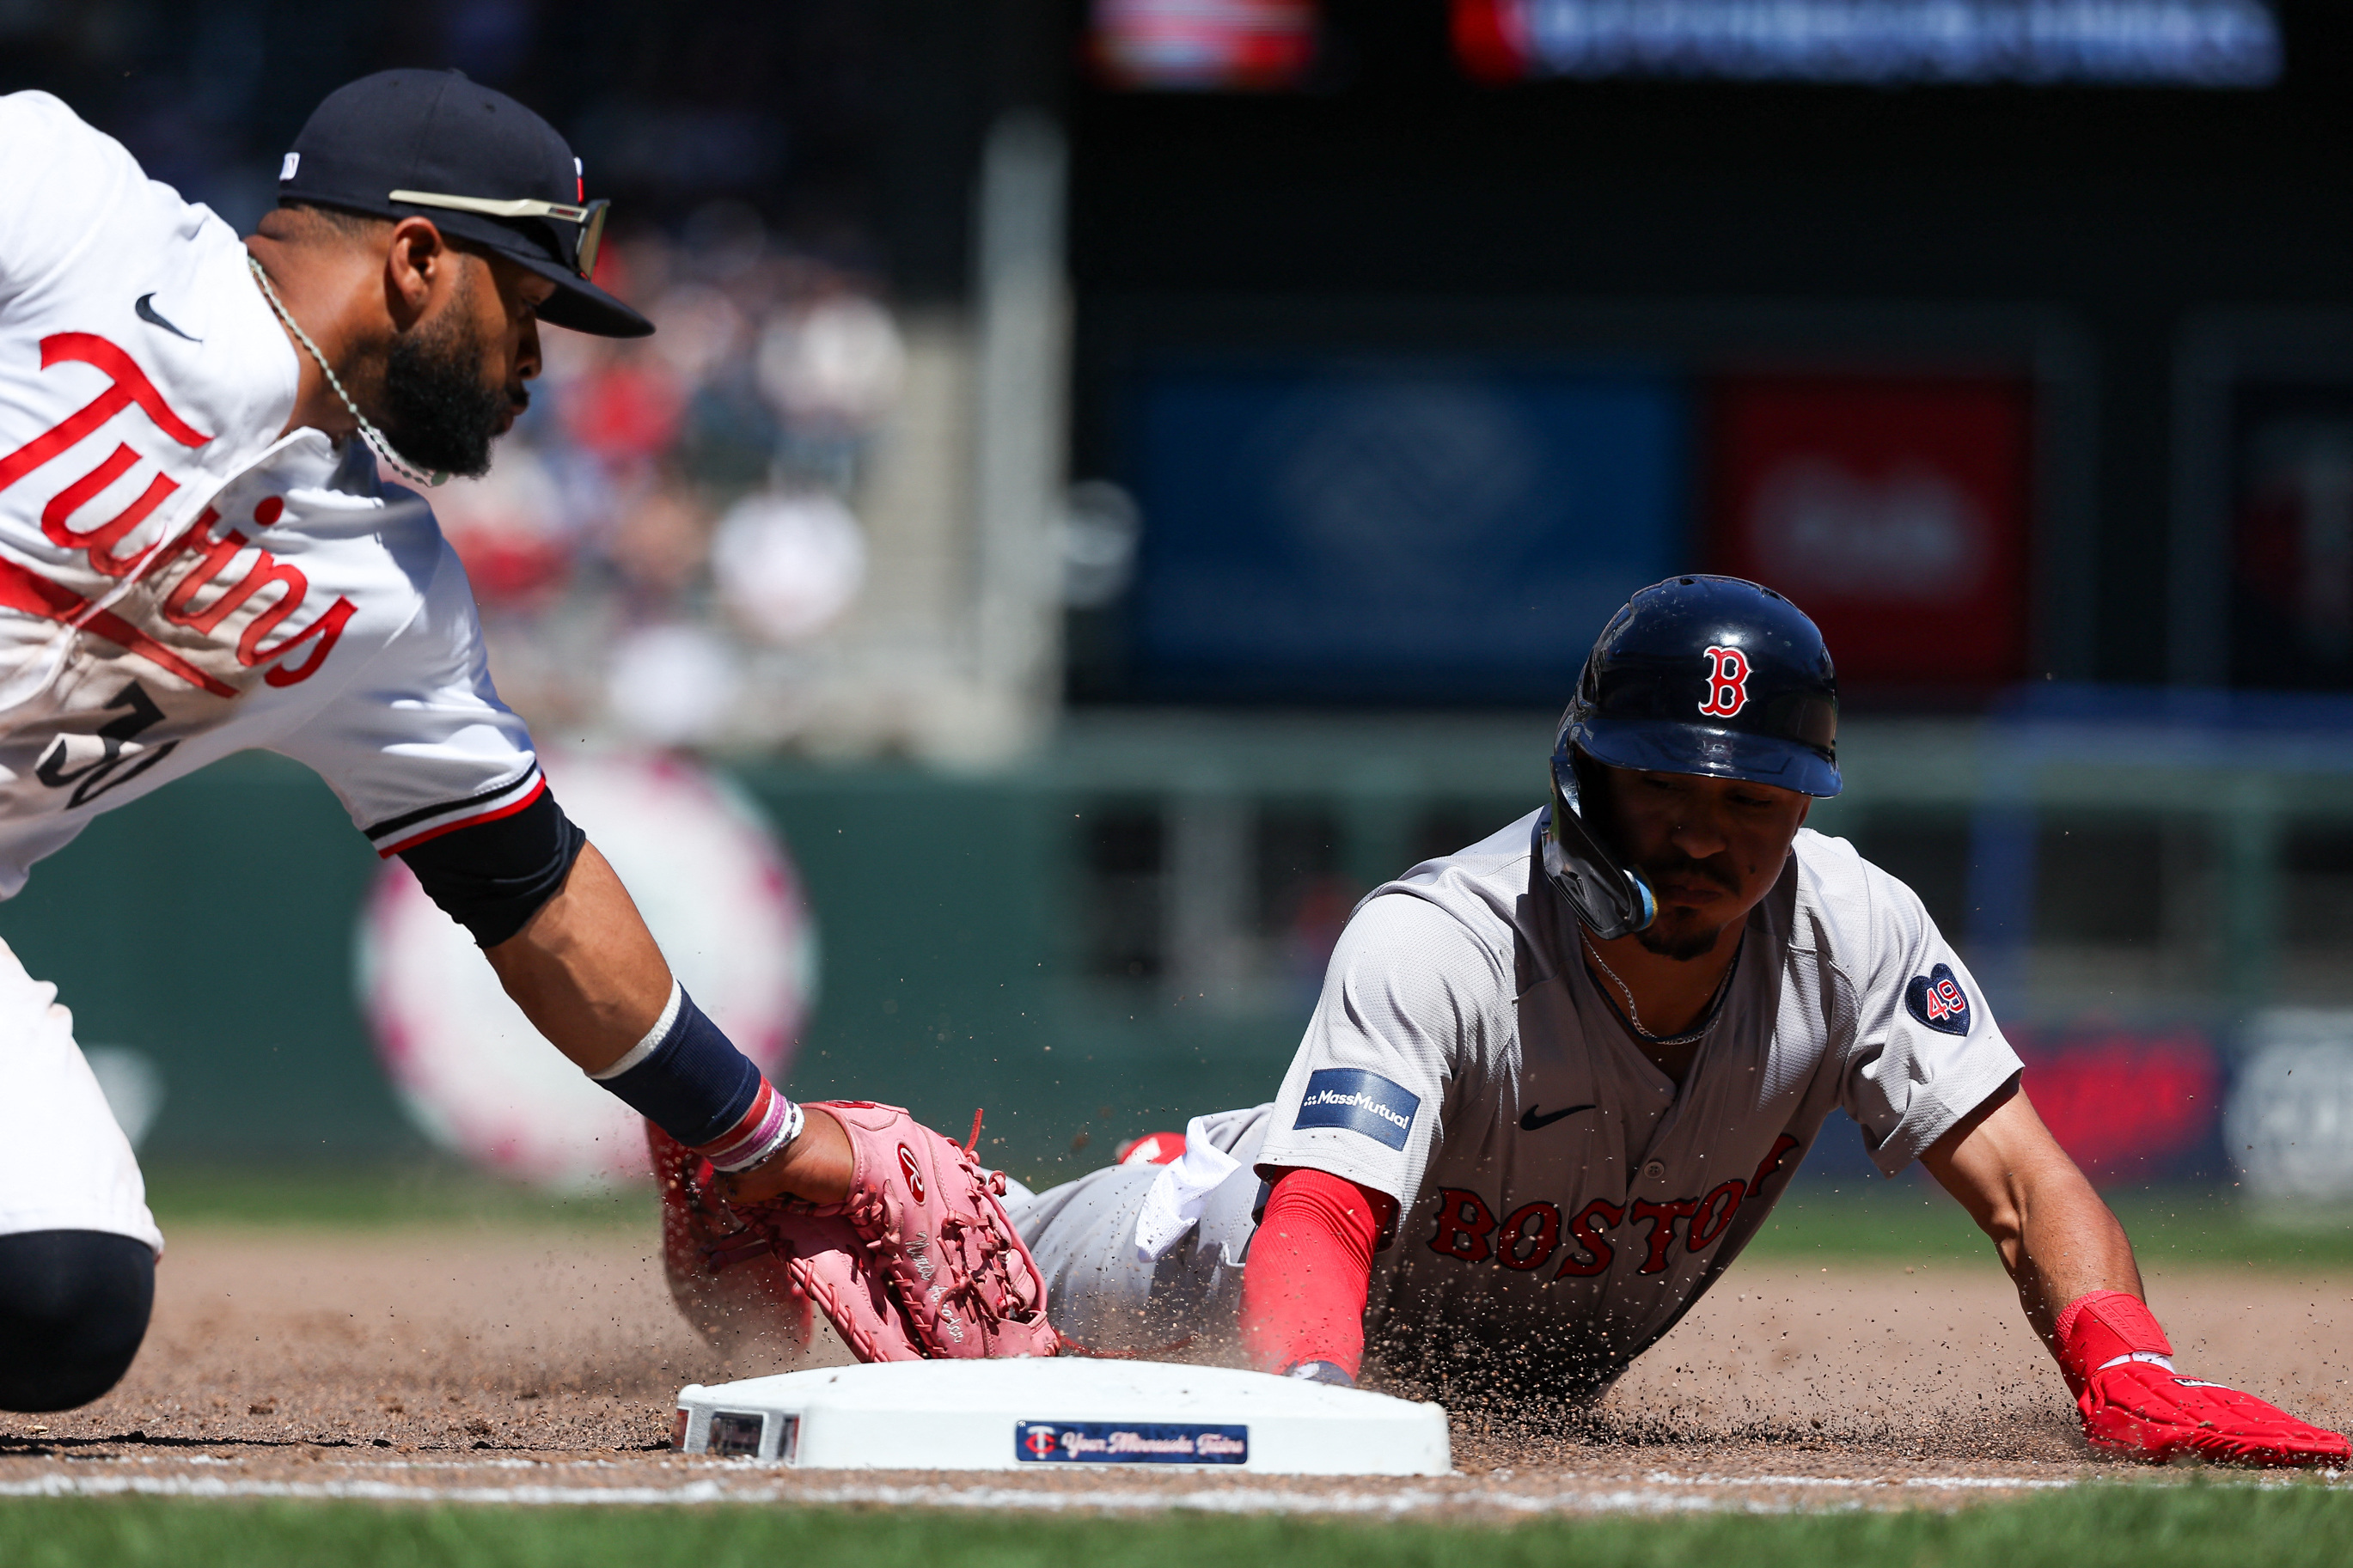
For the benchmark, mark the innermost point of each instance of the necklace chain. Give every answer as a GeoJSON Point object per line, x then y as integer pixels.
{"type": "Point", "coordinates": [1634, 1016]}
{"type": "Point", "coordinates": [368, 433]}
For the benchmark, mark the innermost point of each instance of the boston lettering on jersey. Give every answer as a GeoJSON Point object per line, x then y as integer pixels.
{"type": "Point", "coordinates": [1527, 1239]}
{"type": "Point", "coordinates": [274, 588]}
{"type": "Point", "coordinates": [1360, 1102]}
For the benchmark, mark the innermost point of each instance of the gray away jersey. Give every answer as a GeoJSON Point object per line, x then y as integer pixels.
{"type": "Point", "coordinates": [1562, 1205]}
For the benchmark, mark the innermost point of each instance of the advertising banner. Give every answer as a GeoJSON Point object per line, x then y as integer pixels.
{"type": "Point", "coordinates": [1400, 534]}
{"type": "Point", "coordinates": [1895, 511]}
{"type": "Point", "coordinates": [2228, 44]}
{"type": "Point", "coordinates": [2292, 537]}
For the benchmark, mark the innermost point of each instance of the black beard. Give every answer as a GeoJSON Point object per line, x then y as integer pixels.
{"type": "Point", "coordinates": [1692, 945]}
{"type": "Point", "coordinates": [1681, 949]}
{"type": "Point", "coordinates": [438, 413]}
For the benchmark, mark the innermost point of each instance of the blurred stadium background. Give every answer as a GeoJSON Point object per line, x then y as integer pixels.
{"type": "Point", "coordinates": [1116, 480]}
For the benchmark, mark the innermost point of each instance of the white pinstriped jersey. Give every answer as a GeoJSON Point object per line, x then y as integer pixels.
{"type": "Point", "coordinates": [1557, 1189]}
{"type": "Point", "coordinates": [178, 580]}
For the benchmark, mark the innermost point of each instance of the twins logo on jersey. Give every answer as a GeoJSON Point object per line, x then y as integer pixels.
{"type": "Point", "coordinates": [1527, 1239]}
{"type": "Point", "coordinates": [1727, 682]}
{"type": "Point", "coordinates": [255, 606]}
{"type": "Point", "coordinates": [1938, 999]}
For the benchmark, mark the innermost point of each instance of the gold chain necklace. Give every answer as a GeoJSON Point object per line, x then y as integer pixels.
{"type": "Point", "coordinates": [1634, 1018]}
{"type": "Point", "coordinates": [368, 433]}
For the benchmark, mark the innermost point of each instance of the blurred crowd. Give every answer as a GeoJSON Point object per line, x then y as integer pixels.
{"type": "Point", "coordinates": [667, 533]}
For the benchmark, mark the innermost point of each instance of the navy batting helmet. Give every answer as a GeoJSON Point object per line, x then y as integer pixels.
{"type": "Point", "coordinates": [1712, 676]}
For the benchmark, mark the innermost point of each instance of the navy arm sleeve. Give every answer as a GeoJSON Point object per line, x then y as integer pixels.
{"type": "Point", "coordinates": [492, 876]}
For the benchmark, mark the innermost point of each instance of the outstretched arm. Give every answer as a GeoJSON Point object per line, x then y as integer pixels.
{"type": "Point", "coordinates": [2082, 1292]}
{"type": "Point", "coordinates": [2055, 1237]}
{"type": "Point", "coordinates": [586, 972]}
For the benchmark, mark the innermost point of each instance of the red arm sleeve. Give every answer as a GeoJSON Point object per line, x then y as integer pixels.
{"type": "Point", "coordinates": [1309, 1267]}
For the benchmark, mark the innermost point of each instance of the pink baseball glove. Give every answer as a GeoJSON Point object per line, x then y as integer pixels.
{"type": "Point", "coordinates": [919, 1262]}
{"type": "Point", "coordinates": [2120, 1366]}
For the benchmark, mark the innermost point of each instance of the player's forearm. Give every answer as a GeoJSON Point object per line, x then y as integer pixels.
{"type": "Point", "coordinates": [2063, 1244]}
{"type": "Point", "coordinates": [587, 974]}
{"type": "Point", "coordinates": [2057, 1238]}
{"type": "Point", "coordinates": [585, 970]}
{"type": "Point", "coordinates": [1310, 1270]}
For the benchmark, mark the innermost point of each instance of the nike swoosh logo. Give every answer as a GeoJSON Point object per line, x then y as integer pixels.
{"type": "Point", "coordinates": [149, 314]}
{"type": "Point", "coordinates": [1530, 1120]}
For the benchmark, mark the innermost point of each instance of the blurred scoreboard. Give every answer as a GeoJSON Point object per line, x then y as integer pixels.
{"type": "Point", "coordinates": [2175, 43]}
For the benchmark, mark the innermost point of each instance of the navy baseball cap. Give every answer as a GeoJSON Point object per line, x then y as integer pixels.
{"type": "Point", "coordinates": [445, 144]}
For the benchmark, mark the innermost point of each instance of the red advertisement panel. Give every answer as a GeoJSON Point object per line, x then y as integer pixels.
{"type": "Point", "coordinates": [2127, 1105]}
{"type": "Point", "coordinates": [1204, 46]}
{"type": "Point", "coordinates": [1892, 511]}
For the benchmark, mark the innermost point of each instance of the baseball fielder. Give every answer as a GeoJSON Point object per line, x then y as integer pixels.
{"type": "Point", "coordinates": [1554, 1085]}
{"type": "Point", "coordinates": [197, 557]}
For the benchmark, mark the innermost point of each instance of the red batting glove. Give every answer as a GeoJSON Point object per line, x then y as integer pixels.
{"type": "Point", "coordinates": [2120, 1366]}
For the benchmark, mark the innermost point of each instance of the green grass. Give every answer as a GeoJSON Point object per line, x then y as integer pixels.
{"type": "Point", "coordinates": [2105, 1526]}
{"type": "Point", "coordinates": [1911, 1222]}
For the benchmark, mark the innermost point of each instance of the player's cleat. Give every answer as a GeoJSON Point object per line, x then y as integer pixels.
{"type": "Point", "coordinates": [1153, 1149]}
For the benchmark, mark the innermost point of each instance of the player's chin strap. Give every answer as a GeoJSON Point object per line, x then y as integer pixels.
{"type": "Point", "coordinates": [1611, 898]}
{"type": "Point", "coordinates": [368, 433]}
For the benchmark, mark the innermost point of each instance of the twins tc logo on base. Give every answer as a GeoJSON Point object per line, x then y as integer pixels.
{"type": "Point", "coordinates": [1937, 999]}
{"type": "Point", "coordinates": [1727, 682]}
{"type": "Point", "coordinates": [1129, 1443]}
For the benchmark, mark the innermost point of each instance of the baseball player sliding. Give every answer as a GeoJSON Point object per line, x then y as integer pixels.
{"type": "Point", "coordinates": [1554, 1085]}
{"type": "Point", "coordinates": [197, 557]}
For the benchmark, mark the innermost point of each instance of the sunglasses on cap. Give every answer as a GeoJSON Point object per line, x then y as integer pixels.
{"type": "Point", "coordinates": [590, 217]}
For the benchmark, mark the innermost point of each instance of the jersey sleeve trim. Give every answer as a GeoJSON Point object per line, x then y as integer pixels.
{"type": "Point", "coordinates": [411, 829]}
{"type": "Point", "coordinates": [1947, 1105]}
{"type": "Point", "coordinates": [1332, 1161]}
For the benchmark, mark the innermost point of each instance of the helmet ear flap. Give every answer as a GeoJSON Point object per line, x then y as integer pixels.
{"type": "Point", "coordinates": [1610, 898]}
{"type": "Point", "coordinates": [1592, 789]}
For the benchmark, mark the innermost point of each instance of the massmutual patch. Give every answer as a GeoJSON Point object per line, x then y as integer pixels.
{"type": "Point", "coordinates": [1358, 1101]}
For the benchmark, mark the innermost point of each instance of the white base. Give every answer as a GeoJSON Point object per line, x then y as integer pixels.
{"type": "Point", "coordinates": [1062, 1414]}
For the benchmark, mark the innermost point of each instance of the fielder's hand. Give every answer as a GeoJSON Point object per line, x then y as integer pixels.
{"type": "Point", "coordinates": [913, 1257]}
{"type": "Point", "coordinates": [815, 1168]}
{"type": "Point", "coordinates": [2136, 1406]}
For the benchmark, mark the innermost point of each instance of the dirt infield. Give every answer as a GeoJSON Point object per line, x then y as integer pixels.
{"type": "Point", "coordinates": [542, 1367]}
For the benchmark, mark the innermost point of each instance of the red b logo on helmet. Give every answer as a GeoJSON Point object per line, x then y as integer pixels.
{"type": "Point", "coordinates": [1727, 682]}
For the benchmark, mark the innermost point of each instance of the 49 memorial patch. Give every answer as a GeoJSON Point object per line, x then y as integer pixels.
{"type": "Point", "coordinates": [1358, 1101]}
{"type": "Point", "coordinates": [1938, 999]}
{"type": "Point", "coordinates": [1129, 1443]}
